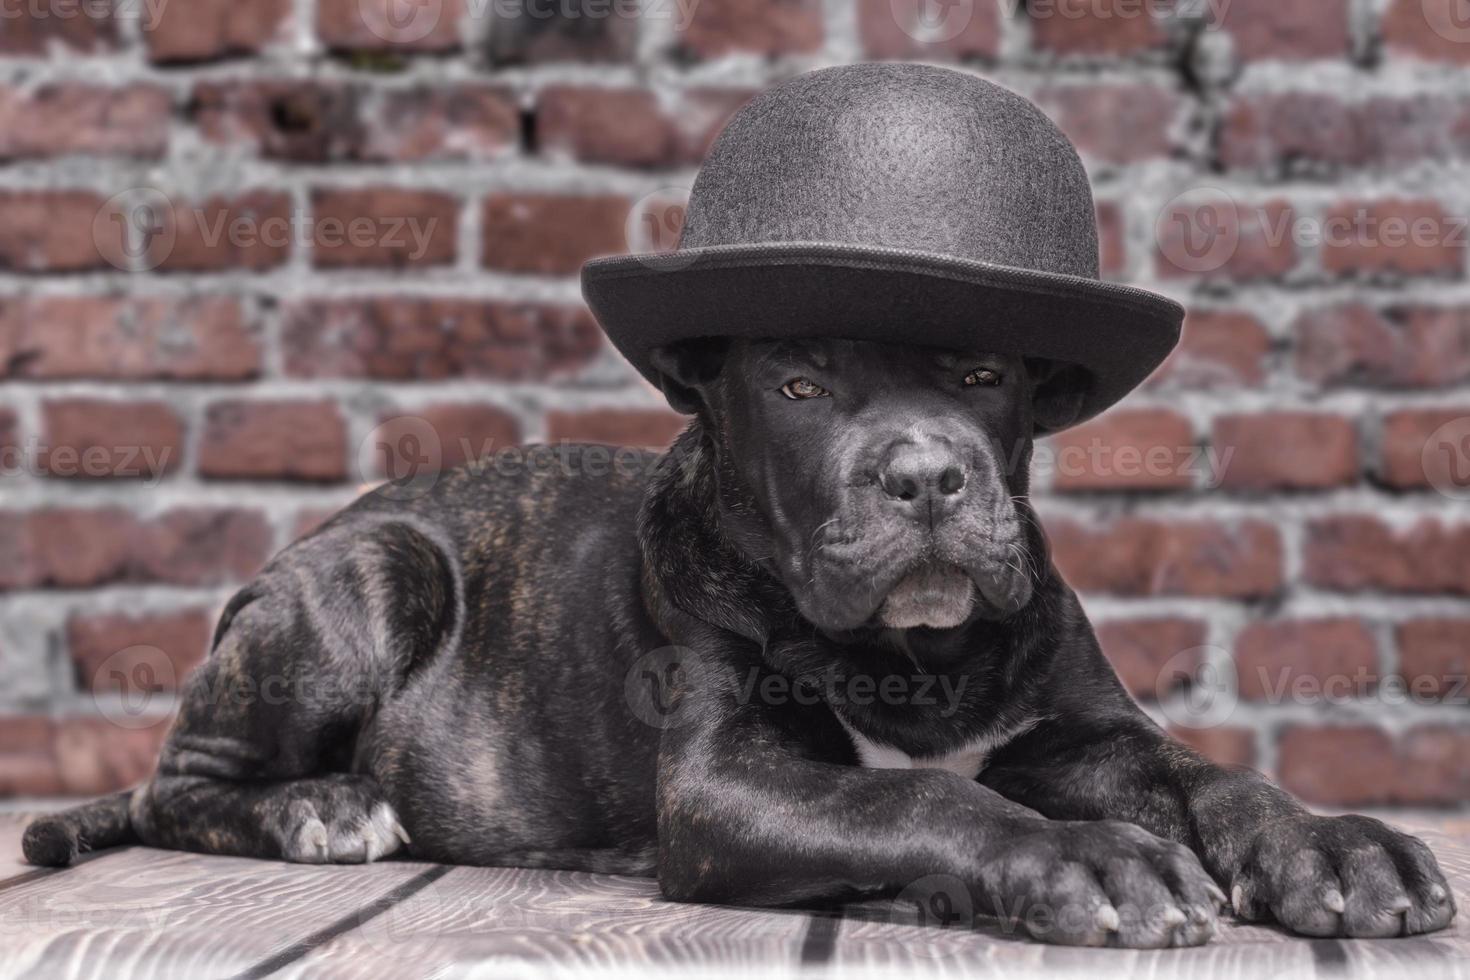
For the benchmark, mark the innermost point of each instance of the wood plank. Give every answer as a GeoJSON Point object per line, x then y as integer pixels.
{"type": "Point", "coordinates": [138, 912]}
{"type": "Point", "coordinates": [475, 917]}
{"type": "Point", "coordinates": [12, 826]}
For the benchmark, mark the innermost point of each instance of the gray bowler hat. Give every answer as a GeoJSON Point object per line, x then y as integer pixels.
{"type": "Point", "coordinates": [891, 202]}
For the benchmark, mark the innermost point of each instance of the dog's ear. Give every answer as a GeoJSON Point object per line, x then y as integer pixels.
{"type": "Point", "coordinates": [1058, 390]}
{"type": "Point", "coordinates": [687, 369]}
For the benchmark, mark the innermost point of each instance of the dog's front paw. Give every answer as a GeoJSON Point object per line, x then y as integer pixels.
{"type": "Point", "coordinates": [1342, 876]}
{"type": "Point", "coordinates": [1104, 883]}
{"type": "Point", "coordinates": [337, 820]}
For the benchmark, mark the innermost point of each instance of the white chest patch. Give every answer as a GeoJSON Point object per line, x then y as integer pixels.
{"type": "Point", "coordinates": [966, 761]}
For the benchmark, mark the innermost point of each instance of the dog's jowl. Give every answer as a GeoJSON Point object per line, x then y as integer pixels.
{"type": "Point", "coordinates": [818, 649]}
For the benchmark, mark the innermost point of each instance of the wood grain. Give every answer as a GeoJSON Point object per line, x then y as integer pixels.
{"type": "Point", "coordinates": [137, 912]}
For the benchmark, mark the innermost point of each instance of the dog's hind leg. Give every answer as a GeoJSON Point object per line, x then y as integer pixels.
{"type": "Point", "coordinates": [260, 761]}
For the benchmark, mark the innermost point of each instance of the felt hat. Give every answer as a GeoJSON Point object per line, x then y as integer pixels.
{"type": "Point", "coordinates": [891, 202]}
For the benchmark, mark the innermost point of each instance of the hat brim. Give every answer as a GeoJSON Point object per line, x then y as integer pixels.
{"type": "Point", "coordinates": [1117, 334]}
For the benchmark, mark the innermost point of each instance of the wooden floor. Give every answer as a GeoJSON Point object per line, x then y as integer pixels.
{"type": "Point", "coordinates": [136, 912]}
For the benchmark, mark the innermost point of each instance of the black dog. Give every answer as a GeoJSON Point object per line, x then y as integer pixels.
{"type": "Point", "coordinates": [877, 677]}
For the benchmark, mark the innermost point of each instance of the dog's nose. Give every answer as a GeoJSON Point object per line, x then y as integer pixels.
{"type": "Point", "coordinates": [924, 475]}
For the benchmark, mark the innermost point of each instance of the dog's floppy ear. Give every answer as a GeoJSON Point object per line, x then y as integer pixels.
{"type": "Point", "coordinates": [1057, 392]}
{"type": "Point", "coordinates": [688, 368]}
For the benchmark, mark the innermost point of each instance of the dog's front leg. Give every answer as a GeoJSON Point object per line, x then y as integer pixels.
{"type": "Point", "coordinates": [750, 812]}
{"type": "Point", "coordinates": [1099, 757]}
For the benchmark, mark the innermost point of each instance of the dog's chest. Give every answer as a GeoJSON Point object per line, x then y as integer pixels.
{"type": "Point", "coordinates": [966, 761]}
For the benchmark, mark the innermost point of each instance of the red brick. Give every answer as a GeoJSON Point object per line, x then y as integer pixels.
{"type": "Point", "coordinates": [1137, 557]}
{"type": "Point", "coordinates": [552, 234]}
{"type": "Point", "coordinates": [652, 429]}
{"type": "Point", "coordinates": [383, 227]}
{"type": "Point", "coordinates": [35, 29]}
{"type": "Point", "coordinates": [95, 756]}
{"type": "Point", "coordinates": [1142, 449]}
{"type": "Point", "coordinates": [1353, 553]}
{"type": "Point", "coordinates": [892, 29]}
{"type": "Point", "coordinates": [89, 438]}
{"type": "Point", "coordinates": [1114, 123]}
{"type": "Point", "coordinates": [205, 30]}
{"type": "Point", "coordinates": [257, 440]}
{"type": "Point", "coordinates": [201, 546]}
{"type": "Point", "coordinates": [390, 25]}
{"type": "Point", "coordinates": [1285, 130]}
{"type": "Point", "coordinates": [1434, 766]}
{"type": "Point", "coordinates": [53, 231]}
{"type": "Point", "coordinates": [630, 127]}
{"type": "Point", "coordinates": [1434, 658]}
{"type": "Point", "coordinates": [1286, 451]}
{"type": "Point", "coordinates": [1146, 652]}
{"type": "Point", "coordinates": [1112, 234]}
{"type": "Point", "coordinates": [625, 127]}
{"type": "Point", "coordinates": [465, 431]}
{"type": "Point", "coordinates": [72, 547]}
{"type": "Point", "coordinates": [301, 122]}
{"type": "Point", "coordinates": [102, 643]}
{"type": "Point", "coordinates": [461, 122]}
{"type": "Point", "coordinates": [426, 339]}
{"type": "Point", "coordinates": [1408, 347]}
{"type": "Point", "coordinates": [1282, 660]}
{"type": "Point", "coordinates": [1224, 745]}
{"type": "Point", "coordinates": [1396, 237]}
{"type": "Point", "coordinates": [1217, 349]}
{"type": "Point", "coordinates": [1354, 766]}
{"type": "Point", "coordinates": [1096, 27]}
{"type": "Point", "coordinates": [1216, 237]}
{"type": "Point", "coordinates": [9, 438]}
{"type": "Point", "coordinates": [1341, 765]}
{"type": "Point", "coordinates": [1272, 30]}
{"type": "Point", "coordinates": [521, 35]}
{"type": "Point", "coordinates": [27, 764]}
{"type": "Point", "coordinates": [767, 27]}
{"type": "Point", "coordinates": [55, 120]}
{"type": "Point", "coordinates": [1405, 463]}
{"type": "Point", "coordinates": [253, 231]}
{"type": "Point", "coordinates": [197, 339]}
{"type": "Point", "coordinates": [1430, 29]}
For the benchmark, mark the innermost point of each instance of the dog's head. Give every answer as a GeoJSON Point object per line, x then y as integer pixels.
{"type": "Point", "coordinates": [884, 485]}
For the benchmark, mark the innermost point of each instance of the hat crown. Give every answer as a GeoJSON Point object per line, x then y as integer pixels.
{"type": "Point", "coordinates": [900, 156]}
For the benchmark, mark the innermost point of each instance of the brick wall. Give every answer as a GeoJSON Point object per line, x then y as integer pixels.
{"type": "Point", "coordinates": [237, 236]}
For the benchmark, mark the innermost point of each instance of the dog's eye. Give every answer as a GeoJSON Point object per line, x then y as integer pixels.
{"type": "Point", "coordinates": [798, 388]}
{"type": "Point", "coordinates": [983, 376]}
